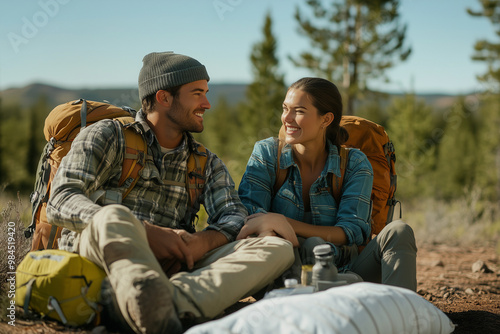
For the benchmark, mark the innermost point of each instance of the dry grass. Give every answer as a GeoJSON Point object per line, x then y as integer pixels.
{"type": "Point", "coordinates": [17, 211]}
{"type": "Point", "coordinates": [466, 221]}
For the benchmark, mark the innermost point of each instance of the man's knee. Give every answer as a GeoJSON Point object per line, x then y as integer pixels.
{"type": "Point", "coordinates": [113, 212]}
{"type": "Point", "coordinates": [113, 220]}
{"type": "Point", "coordinates": [111, 225]}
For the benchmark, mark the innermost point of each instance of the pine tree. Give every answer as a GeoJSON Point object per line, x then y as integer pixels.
{"type": "Point", "coordinates": [261, 115]}
{"type": "Point", "coordinates": [219, 129]}
{"type": "Point", "coordinates": [458, 156]}
{"type": "Point", "coordinates": [15, 126]}
{"type": "Point", "coordinates": [374, 109]}
{"type": "Point", "coordinates": [486, 51]}
{"type": "Point", "coordinates": [33, 153]}
{"type": "Point", "coordinates": [352, 41]}
{"type": "Point", "coordinates": [410, 127]}
{"type": "Point", "coordinates": [488, 167]}
{"type": "Point", "coordinates": [488, 171]}
{"type": "Point", "coordinates": [35, 134]}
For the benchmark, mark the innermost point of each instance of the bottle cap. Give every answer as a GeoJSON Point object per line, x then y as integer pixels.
{"type": "Point", "coordinates": [291, 282]}
{"type": "Point", "coordinates": [321, 250]}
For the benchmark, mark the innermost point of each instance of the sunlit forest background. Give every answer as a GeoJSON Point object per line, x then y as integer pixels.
{"type": "Point", "coordinates": [447, 147]}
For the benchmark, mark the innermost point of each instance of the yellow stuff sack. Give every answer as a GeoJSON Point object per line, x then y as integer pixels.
{"type": "Point", "coordinates": [60, 285]}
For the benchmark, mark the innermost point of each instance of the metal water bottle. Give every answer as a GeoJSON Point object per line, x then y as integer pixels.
{"type": "Point", "coordinates": [324, 269]}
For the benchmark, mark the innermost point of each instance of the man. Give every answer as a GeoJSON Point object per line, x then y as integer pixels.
{"type": "Point", "coordinates": [162, 273]}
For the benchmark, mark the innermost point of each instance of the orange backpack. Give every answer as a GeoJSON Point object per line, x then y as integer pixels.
{"type": "Point", "coordinates": [374, 142]}
{"type": "Point", "coordinates": [61, 127]}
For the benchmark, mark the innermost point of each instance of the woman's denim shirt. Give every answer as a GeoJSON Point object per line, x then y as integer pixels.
{"type": "Point", "coordinates": [353, 216]}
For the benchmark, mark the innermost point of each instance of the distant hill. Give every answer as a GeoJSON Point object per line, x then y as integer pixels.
{"type": "Point", "coordinates": [233, 93]}
{"type": "Point", "coordinates": [28, 95]}
{"type": "Point", "coordinates": [437, 100]}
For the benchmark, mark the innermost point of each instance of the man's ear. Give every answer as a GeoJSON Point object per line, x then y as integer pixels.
{"type": "Point", "coordinates": [164, 98]}
{"type": "Point", "coordinates": [328, 119]}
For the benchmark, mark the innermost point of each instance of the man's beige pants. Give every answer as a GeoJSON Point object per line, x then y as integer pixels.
{"type": "Point", "coordinates": [116, 240]}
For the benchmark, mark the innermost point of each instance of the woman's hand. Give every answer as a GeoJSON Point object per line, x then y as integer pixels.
{"type": "Point", "coordinates": [268, 224]}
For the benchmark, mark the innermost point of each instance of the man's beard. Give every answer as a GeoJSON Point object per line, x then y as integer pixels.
{"type": "Point", "coordinates": [184, 118]}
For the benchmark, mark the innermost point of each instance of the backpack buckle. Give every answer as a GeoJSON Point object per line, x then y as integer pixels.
{"type": "Point", "coordinates": [51, 145]}
{"type": "Point", "coordinates": [28, 232]}
{"type": "Point", "coordinates": [34, 196]}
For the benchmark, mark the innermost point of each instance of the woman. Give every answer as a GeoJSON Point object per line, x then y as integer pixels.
{"type": "Point", "coordinates": [311, 116]}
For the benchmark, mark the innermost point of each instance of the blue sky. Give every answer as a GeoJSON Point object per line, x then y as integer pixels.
{"type": "Point", "coordinates": [95, 44]}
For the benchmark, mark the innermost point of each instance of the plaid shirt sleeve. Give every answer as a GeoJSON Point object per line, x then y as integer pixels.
{"type": "Point", "coordinates": [89, 163]}
{"type": "Point", "coordinates": [225, 211]}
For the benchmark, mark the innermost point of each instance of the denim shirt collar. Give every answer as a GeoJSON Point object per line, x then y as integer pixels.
{"type": "Point", "coordinates": [332, 164]}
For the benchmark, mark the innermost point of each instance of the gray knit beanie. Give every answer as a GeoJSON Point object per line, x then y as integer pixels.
{"type": "Point", "coordinates": [161, 70]}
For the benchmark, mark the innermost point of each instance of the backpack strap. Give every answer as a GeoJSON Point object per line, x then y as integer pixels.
{"type": "Point", "coordinates": [194, 183]}
{"type": "Point", "coordinates": [55, 233]}
{"type": "Point", "coordinates": [281, 174]}
{"type": "Point", "coordinates": [134, 159]}
{"type": "Point", "coordinates": [195, 172]}
{"type": "Point", "coordinates": [42, 187]}
{"type": "Point", "coordinates": [27, 297]}
{"type": "Point", "coordinates": [83, 113]}
{"type": "Point", "coordinates": [39, 199]}
{"type": "Point", "coordinates": [337, 182]}
{"type": "Point", "coordinates": [54, 305]}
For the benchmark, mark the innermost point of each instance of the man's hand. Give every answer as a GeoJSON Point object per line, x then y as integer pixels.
{"type": "Point", "coordinates": [268, 224]}
{"type": "Point", "coordinates": [169, 248]}
{"type": "Point", "coordinates": [202, 242]}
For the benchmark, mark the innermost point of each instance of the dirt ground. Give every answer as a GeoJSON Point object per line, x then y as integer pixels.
{"type": "Point", "coordinates": [449, 277]}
